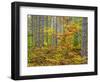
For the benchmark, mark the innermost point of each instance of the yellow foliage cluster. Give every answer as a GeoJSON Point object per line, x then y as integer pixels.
{"type": "Point", "coordinates": [54, 56]}
{"type": "Point", "coordinates": [49, 30]}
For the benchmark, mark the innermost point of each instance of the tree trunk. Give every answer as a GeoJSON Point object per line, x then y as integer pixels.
{"type": "Point", "coordinates": [84, 36]}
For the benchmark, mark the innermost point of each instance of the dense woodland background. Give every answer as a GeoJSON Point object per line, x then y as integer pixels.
{"type": "Point", "coordinates": [57, 40]}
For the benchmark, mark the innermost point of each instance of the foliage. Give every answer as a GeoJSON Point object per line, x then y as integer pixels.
{"type": "Point", "coordinates": [49, 56]}
{"type": "Point", "coordinates": [56, 42]}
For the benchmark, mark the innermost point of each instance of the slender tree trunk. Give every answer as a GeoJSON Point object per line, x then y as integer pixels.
{"type": "Point", "coordinates": [61, 22]}
{"type": "Point", "coordinates": [29, 22]}
{"type": "Point", "coordinates": [42, 31]}
{"type": "Point", "coordinates": [37, 36]}
{"type": "Point", "coordinates": [84, 36]}
{"type": "Point", "coordinates": [59, 29]}
{"type": "Point", "coordinates": [55, 31]}
{"type": "Point", "coordinates": [38, 31]}
{"type": "Point", "coordinates": [35, 31]}
{"type": "Point", "coordinates": [50, 32]}
{"type": "Point", "coordinates": [47, 30]}
{"type": "Point", "coordinates": [45, 34]}
{"type": "Point", "coordinates": [32, 18]}
{"type": "Point", "coordinates": [52, 25]}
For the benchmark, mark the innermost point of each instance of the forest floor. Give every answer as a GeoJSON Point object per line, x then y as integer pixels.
{"type": "Point", "coordinates": [55, 56]}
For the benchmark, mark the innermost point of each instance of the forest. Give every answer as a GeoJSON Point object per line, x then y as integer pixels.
{"type": "Point", "coordinates": [57, 40]}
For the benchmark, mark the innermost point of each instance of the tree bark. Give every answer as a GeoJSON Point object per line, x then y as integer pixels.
{"type": "Point", "coordinates": [84, 36]}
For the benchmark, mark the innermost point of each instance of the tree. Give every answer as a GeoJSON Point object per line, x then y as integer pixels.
{"type": "Point", "coordinates": [84, 36]}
